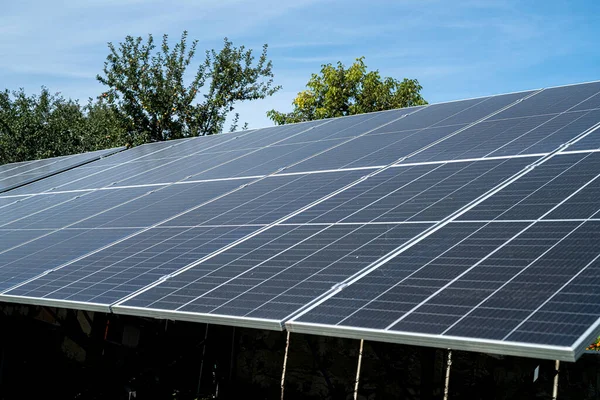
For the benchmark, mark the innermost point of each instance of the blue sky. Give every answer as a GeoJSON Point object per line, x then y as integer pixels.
{"type": "Point", "coordinates": [456, 49]}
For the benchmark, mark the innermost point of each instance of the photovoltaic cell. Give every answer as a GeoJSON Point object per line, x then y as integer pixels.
{"type": "Point", "coordinates": [552, 101]}
{"type": "Point", "coordinates": [159, 204]}
{"type": "Point", "coordinates": [387, 293]}
{"type": "Point", "coordinates": [401, 138]}
{"type": "Point", "coordinates": [514, 136]}
{"type": "Point", "coordinates": [351, 126]}
{"type": "Point", "coordinates": [35, 257]}
{"type": "Point", "coordinates": [77, 178]}
{"type": "Point", "coordinates": [277, 272]}
{"type": "Point", "coordinates": [506, 282]}
{"type": "Point", "coordinates": [268, 200]}
{"type": "Point", "coordinates": [124, 267]}
{"type": "Point", "coordinates": [539, 191]}
{"type": "Point", "coordinates": [73, 208]}
{"type": "Point", "coordinates": [374, 150]}
{"type": "Point", "coordinates": [541, 279]}
{"type": "Point", "coordinates": [119, 270]}
{"type": "Point", "coordinates": [24, 173]}
{"type": "Point", "coordinates": [414, 193]}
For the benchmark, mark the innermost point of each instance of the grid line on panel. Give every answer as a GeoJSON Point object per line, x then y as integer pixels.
{"type": "Point", "coordinates": [342, 283]}
{"type": "Point", "coordinates": [416, 271]}
{"type": "Point", "coordinates": [367, 168]}
{"type": "Point", "coordinates": [591, 330]}
{"type": "Point", "coordinates": [548, 182]}
{"type": "Point", "coordinates": [547, 133]}
{"type": "Point", "coordinates": [437, 125]}
{"type": "Point", "coordinates": [325, 189]}
{"type": "Point", "coordinates": [308, 278]}
{"type": "Point", "coordinates": [112, 166]}
{"type": "Point", "coordinates": [28, 167]}
{"type": "Point", "coordinates": [580, 137]}
{"type": "Point", "coordinates": [284, 270]}
{"type": "Point", "coordinates": [441, 224]}
{"type": "Point", "coordinates": [68, 225]}
{"type": "Point", "coordinates": [245, 238]}
{"type": "Point", "coordinates": [552, 297]}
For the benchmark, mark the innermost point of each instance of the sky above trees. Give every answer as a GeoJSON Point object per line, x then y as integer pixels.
{"type": "Point", "coordinates": [469, 49]}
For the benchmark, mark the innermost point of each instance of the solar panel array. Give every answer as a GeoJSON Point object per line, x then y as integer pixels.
{"type": "Point", "coordinates": [470, 224]}
{"type": "Point", "coordinates": [22, 173]}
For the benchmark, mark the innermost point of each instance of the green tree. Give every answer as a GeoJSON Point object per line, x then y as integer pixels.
{"type": "Point", "coordinates": [48, 125]}
{"type": "Point", "coordinates": [147, 87]}
{"type": "Point", "coordinates": [338, 91]}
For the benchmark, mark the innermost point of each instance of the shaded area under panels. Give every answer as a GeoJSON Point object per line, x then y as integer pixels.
{"type": "Point", "coordinates": [474, 286]}
{"type": "Point", "coordinates": [414, 193]}
{"type": "Point", "coordinates": [272, 275]}
{"type": "Point", "coordinates": [28, 172]}
{"type": "Point", "coordinates": [407, 135]}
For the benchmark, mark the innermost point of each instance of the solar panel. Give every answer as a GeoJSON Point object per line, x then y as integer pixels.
{"type": "Point", "coordinates": [533, 195]}
{"type": "Point", "coordinates": [409, 134]}
{"type": "Point", "coordinates": [19, 174]}
{"type": "Point", "coordinates": [273, 274]}
{"type": "Point", "coordinates": [423, 225]}
{"type": "Point", "coordinates": [492, 280]}
{"type": "Point", "coordinates": [235, 215]}
{"type": "Point", "coordinates": [428, 192]}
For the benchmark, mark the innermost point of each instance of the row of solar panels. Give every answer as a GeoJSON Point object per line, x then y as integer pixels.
{"type": "Point", "coordinates": [451, 225]}
{"type": "Point", "coordinates": [21, 173]}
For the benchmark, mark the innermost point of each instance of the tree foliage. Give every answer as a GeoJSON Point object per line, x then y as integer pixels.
{"type": "Point", "coordinates": [151, 95]}
{"type": "Point", "coordinates": [48, 125]}
{"type": "Point", "coordinates": [338, 91]}
{"type": "Point", "coordinates": [147, 86]}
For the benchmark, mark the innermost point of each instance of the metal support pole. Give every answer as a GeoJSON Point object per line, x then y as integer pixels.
{"type": "Point", "coordinates": [447, 381]}
{"type": "Point", "coordinates": [232, 357]}
{"type": "Point", "coordinates": [287, 346]}
{"type": "Point", "coordinates": [1, 364]}
{"type": "Point", "coordinates": [555, 389]}
{"type": "Point", "coordinates": [202, 362]}
{"type": "Point", "coordinates": [360, 353]}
